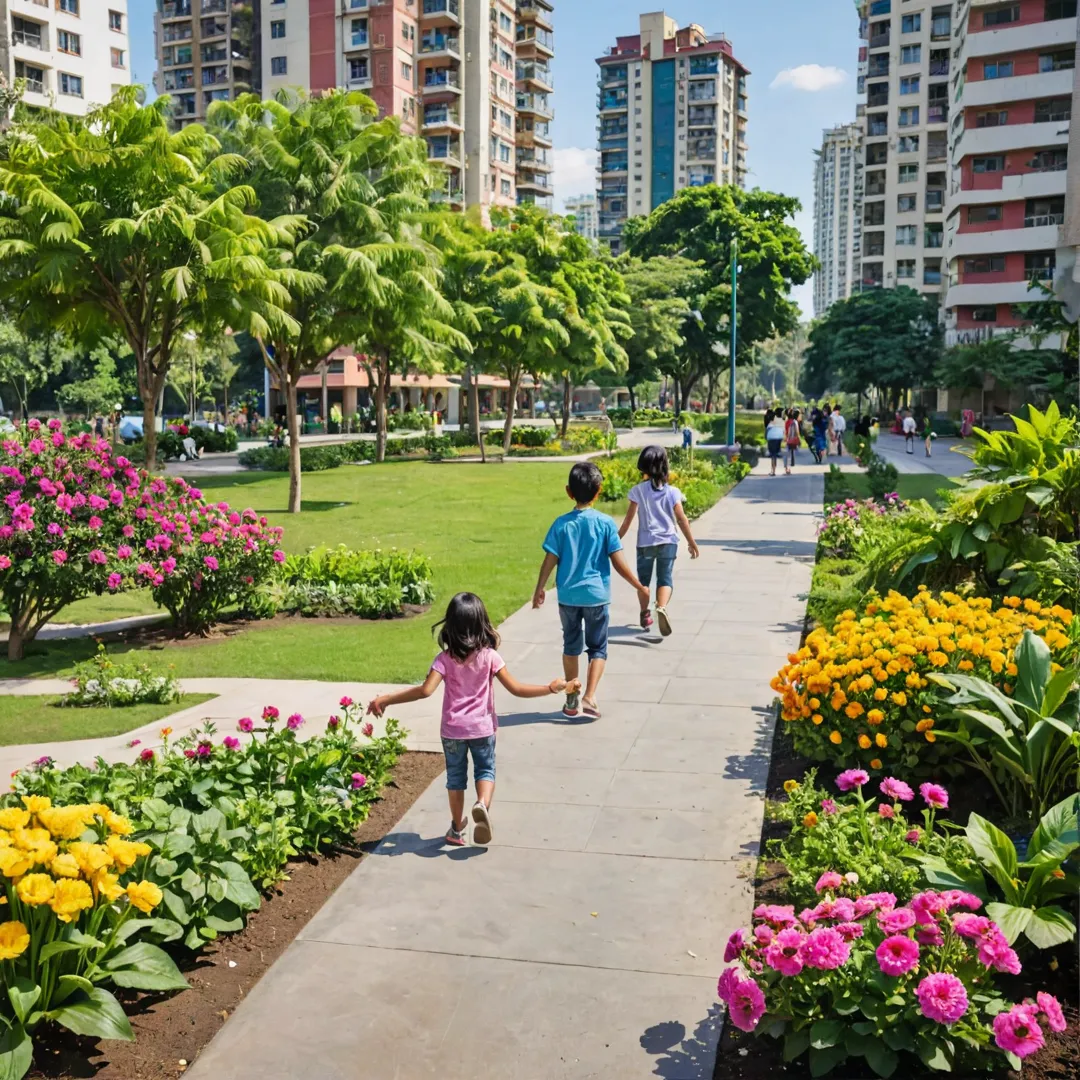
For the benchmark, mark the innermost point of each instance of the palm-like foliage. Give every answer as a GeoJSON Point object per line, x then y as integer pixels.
{"type": "Point", "coordinates": [111, 224]}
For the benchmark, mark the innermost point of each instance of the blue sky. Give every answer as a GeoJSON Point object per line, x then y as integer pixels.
{"type": "Point", "coordinates": [801, 55]}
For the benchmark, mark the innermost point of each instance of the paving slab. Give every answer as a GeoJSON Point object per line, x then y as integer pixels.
{"type": "Point", "coordinates": [591, 932]}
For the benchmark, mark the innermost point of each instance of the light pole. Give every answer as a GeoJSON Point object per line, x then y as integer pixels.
{"type": "Point", "coordinates": [734, 339]}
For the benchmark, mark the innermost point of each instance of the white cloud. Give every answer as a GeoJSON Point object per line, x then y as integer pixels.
{"type": "Point", "coordinates": [575, 172]}
{"type": "Point", "coordinates": [810, 78]}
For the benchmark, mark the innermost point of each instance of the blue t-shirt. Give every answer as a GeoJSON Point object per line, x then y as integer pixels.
{"type": "Point", "coordinates": [583, 542]}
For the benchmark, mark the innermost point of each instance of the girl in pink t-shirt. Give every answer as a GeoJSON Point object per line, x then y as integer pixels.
{"type": "Point", "coordinates": [468, 666]}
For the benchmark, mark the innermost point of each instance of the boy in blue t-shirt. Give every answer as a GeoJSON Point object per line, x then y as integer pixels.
{"type": "Point", "coordinates": [584, 545]}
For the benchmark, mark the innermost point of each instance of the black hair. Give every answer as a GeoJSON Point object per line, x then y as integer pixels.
{"type": "Point", "coordinates": [466, 627]}
{"type": "Point", "coordinates": [769, 414]}
{"type": "Point", "coordinates": [585, 481]}
{"type": "Point", "coordinates": [653, 463]}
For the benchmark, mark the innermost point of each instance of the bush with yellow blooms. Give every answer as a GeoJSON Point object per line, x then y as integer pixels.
{"type": "Point", "coordinates": [73, 904]}
{"type": "Point", "coordinates": [859, 692]}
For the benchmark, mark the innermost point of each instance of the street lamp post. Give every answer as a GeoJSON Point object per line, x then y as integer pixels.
{"type": "Point", "coordinates": [734, 339]}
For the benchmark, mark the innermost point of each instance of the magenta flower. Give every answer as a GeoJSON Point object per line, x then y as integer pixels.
{"type": "Point", "coordinates": [5, 562]}
{"type": "Point", "coordinates": [368, 729]}
{"type": "Point", "coordinates": [896, 789]}
{"type": "Point", "coordinates": [897, 955]}
{"type": "Point", "coordinates": [783, 952]}
{"type": "Point", "coordinates": [828, 806]}
{"type": "Point", "coordinates": [204, 749]}
{"type": "Point", "coordinates": [123, 552]}
{"type": "Point", "coordinates": [913, 836]}
{"type": "Point", "coordinates": [134, 743]}
{"type": "Point", "coordinates": [852, 778]}
{"type": "Point", "coordinates": [825, 949]}
{"type": "Point", "coordinates": [829, 880]}
{"type": "Point", "coordinates": [885, 810]}
{"type": "Point", "coordinates": [776, 915]}
{"type": "Point", "coordinates": [958, 898]}
{"type": "Point", "coordinates": [849, 931]}
{"type": "Point", "coordinates": [295, 722]}
{"type": "Point", "coordinates": [358, 780]}
{"type": "Point", "coordinates": [746, 1004]}
{"type": "Point", "coordinates": [763, 933]}
{"type": "Point", "coordinates": [279, 555]}
{"type": "Point", "coordinates": [210, 562]}
{"type": "Point", "coordinates": [929, 935]}
{"type": "Point", "coordinates": [345, 702]}
{"type": "Point", "coordinates": [230, 742]}
{"type": "Point", "coordinates": [95, 523]}
{"type": "Point", "coordinates": [128, 531]}
{"type": "Point", "coordinates": [189, 753]}
{"type": "Point", "coordinates": [942, 997]}
{"type": "Point", "coordinates": [246, 724]}
{"type": "Point", "coordinates": [1050, 1007]}
{"type": "Point", "coordinates": [927, 907]}
{"type": "Point", "coordinates": [726, 983]}
{"type": "Point", "coordinates": [883, 901]}
{"type": "Point", "coordinates": [735, 945]}
{"type": "Point", "coordinates": [59, 556]}
{"type": "Point", "coordinates": [972, 927]}
{"type": "Point", "coordinates": [994, 951]}
{"type": "Point", "coordinates": [893, 922]}
{"type": "Point", "coordinates": [934, 795]}
{"type": "Point", "coordinates": [97, 557]}
{"type": "Point", "coordinates": [270, 713]}
{"type": "Point", "coordinates": [1017, 1031]}
{"type": "Point", "coordinates": [146, 755]}
{"type": "Point", "coordinates": [333, 723]}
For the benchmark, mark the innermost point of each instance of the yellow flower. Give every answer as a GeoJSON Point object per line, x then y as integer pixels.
{"type": "Point", "coordinates": [144, 895]}
{"type": "Point", "coordinates": [875, 717]}
{"type": "Point", "coordinates": [1033, 606]}
{"type": "Point", "coordinates": [14, 863]}
{"type": "Point", "coordinates": [1012, 601]}
{"type": "Point", "coordinates": [810, 820]}
{"type": "Point", "coordinates": [817, 718]}
{"type": "Point", "coordinates": [107, 885]}
{"type": "Point", "coordinates": [966, 665]}
{"type": "Point", "coordinates": [929, 736]}
{"type": "Point", "coordinates": [125, 852]}
{"type": "Point", "coordinates": [854, 710]}
{"type": "Point", "coordinates": [36, 803]}
{"type": "Point", "coordinates": [836, 737]}
{"type": "Point", "coordinates": [119, 825]}
{"type": "Point", "coordinates": [791, 785]}
{"type": "Point", "coordinates": [14, 818]}
{"type": "Point", "coordinates": [875, 763]}
{"type": "Point", "coordinates": [814, 703]}
{"type": "Point", "coordinates": [66, 822]}
{"type": "Point", "coordinates": [880, 694]}
{"type": "Point", "coordinates": [90, 857]}
{"type": "Point", "coordinates": [14, 940]}
{"type": "Point", "coordinates": [899, 698]}
{"type": "Point", "coordinates": [864, 742]}
{"type": "Point", "coordinates": [65, 865]}
{"type": "Point", "coordinates": [35, 889]}
{"type": "Point", "coordinates": [166, 732]}
{"type": "Point", "coordinates": [926, 709]}
{"type": "Point", "coordinates": [925, 724]}
{"type": "Point", "coordinates": [881, 740]}
{"type": "Point", "coordinates": [70, 898]}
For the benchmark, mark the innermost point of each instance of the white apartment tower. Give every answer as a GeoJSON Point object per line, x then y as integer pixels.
{"type": "Point", "coordinates": [838, 195]}
{"type": "Point", "coordinates": [672, 113]}
{"type": "Point", "coordinates": [908, 45]}
{"type": "Point", "coordinates": [72, 54]}
{"type": "Point", "coordinates": [583, 207]}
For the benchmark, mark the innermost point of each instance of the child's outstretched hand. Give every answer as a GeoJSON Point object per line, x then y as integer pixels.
{"type": "Point", "coordinates": [376, 707]}
{"type": "Point", "coordinates": [693, 549]}
{"type": "Point", "coordinates": [557, 686]}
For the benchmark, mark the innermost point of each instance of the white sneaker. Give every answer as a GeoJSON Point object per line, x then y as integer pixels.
{"type": "Point", "coordinates": [665, 623]}
{"type": "Point", "coordinates": [482, 831]}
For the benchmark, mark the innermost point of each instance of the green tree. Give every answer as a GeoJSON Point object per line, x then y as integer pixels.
{"type": "Point", "coordinates": [111, 224]}
{"type": "Point", "coordinates": [1049, 318]}
{"type": "Point", "coordinates": [97, 393]}
{"type": "Point", "coordinates": [884, 339]}
{"type": "Point", "coordinates": [27, 361]}
{"type": "Point", "coordinates": [202, 365]}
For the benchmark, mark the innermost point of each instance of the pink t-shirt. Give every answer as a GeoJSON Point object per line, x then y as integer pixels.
{"type": "Point", "coordinates": [468, 710]}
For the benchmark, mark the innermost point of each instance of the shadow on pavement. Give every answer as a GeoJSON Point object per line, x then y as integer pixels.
{"type": "Point", "coordinates": [406, 843]}
{"type": "Point", "coordinates": [680, 1056]}
{"type": "Point", "coordinates": [791, 549]}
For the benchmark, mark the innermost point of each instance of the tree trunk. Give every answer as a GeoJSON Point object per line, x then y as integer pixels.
{"type": "Point", "coordinates": [382, 392]}
{"type": "Point", "coordinates": [474, 413]}
{"type": "Point", "coordinates": [709, 395]}
{"type": "Point", "coordinates": [17, 639]}
{"type": "Point", "coordinates": [325, 404]}
{"type": "Point", "coordinates": [687, 391]}
{"type": "Point", "coordinates": [511, 405]}
{"type": "Point", "coordinates": [292, 414]}
{"type": "Point", "coordinates": [633, 402]}
{"type": "Point", "coordinates": [567, 395]}
{"type": "Point", "coordinates": [149, 403]}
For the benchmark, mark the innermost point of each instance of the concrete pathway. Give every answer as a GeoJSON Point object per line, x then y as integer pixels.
{"type": "Point", "coordinates": [946, 459]}
{"type": "Point", "coordinates": [587, 940]}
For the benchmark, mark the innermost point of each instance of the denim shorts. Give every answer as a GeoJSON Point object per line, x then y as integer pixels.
{"type": "Point", "coordinates": [584, 629]}
{"type": "Point", "coordinates": [457, 753]}
{"type": "Point", "coordinates": [664, 557]}
{"type": "Point", "coordinates": [774, 448]}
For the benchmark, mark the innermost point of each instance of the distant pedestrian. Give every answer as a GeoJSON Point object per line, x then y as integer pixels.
{"type": "Point", "coordinates": [774, 438]}
{"type": "Point", "coordinates": [687, 438]}
{"type": "Point", "coordinates": [928, 435]}
{"type": "Point", "coordinates": [792, 439]}
{"type": "Point", "coordinates": [839, 424]}
{"type": "Point", "coordinates": [819, 424]}
{"type": "Point", "coordinates": [467, 666]}
{"type": "Point", "coordinates": [908, 426]}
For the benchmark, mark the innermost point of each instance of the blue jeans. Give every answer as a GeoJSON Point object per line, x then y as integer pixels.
{"type": "Point", "coordinates": [664, 557]}
{"type": "Point", "coordinates": [584, 628]}
{"type": "Point", "coordinates": [457, 751]}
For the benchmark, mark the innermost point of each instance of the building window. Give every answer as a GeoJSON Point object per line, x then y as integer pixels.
{"type": "Point", "coordinates": [1042, 212]}
{"type": "Point", "coordinates": [984, 314]}
{"type": "Point", "coordinates": [504, 187]}
{"type": "Point", "coordinates": [68, 42]}
{"type": "Point", "coordinates": [506, 24]}
{"type": "Point", "coordinates": [1054, 109]}
{"type": "Point", "coordinates": [277, 28]}
{"type": "Point", "coordinates": [978, 214]}
{"type": "Point", "coordinates": [1040, 265]}
{"type": "Point", "coordinates": [906, 235]}
{"type": "Point", "coordinates": [1060, 9]}
{"type": "Point", "coordinates": [985, 264]}
{"type": "Point", "coordinates": [908, 174]}
{"type": "Point", "coordinates": [911, 54]}
{"type": "Point", "coordinates": [406, 72]}
{"type": "Point", "coordinates": [358, 69]}
{"type": "Point", "coordinates": [1062, 60]}
{"type": "Point", "coordinates": [909, 117]}
{"type": "Point", "coordinates": [994, 163]}
{"type": "Point", "coordinates": [1051, 160]}
{"type": "Point", "coordinates": [1000, 16]}
{"type": "Point", "coordinates": [71, 84]}
{"type": "Point", "coordinates": [994, 118]}
{"type": "Point", "coordinates": [908, 144]}
{"type": "Point", "coordinates": [116, 21]}
{"type": "Point", "coordinates": [909, 84]}
{"type": "Point", "coordinates": [117, 58]}
{"type": "Point", "coordinates": [504, 153]}
{"type": "Point", "coordinates": [997, 69]}
{"type": "Point", "coordinates": [905, 269]}
{"type": "Point", "coordinates": [906, 204]}
{"type": "Point", "coordinates": [910, 24]}
{"type": "Point", "coordinates": [72, 8]}
{"type": "Point", "coordinates": [279, 65]}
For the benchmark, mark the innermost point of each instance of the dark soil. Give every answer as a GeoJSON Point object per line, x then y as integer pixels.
{"type": "Point", "coordinates": [743, 1056]}
{"type": "Point", "coordinates": [170, 1032]}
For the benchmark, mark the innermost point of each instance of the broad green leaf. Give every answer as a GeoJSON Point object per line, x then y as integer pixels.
{"type": "Point", "coordinates": [935, 1056]}
{"type": "Point", "coordinates": [880, 1058]}
{"type": "Point", "coordinates": [54, 948]}
{"type": "Point", "coordinates": [824, 1061]}
{"type": "Point", "coordinates": [143, 966]}
{"type": "Point", "coordinates": [825, 1033]}
{"type": "Point", "coordinates": [899, 1038]}
{"type": "Point", "coordinates": [1059, 823]}
{"type": "Point", "coordinates": [796, 1044]}
{"type": "Point", "coordinates": [942, 876]}
{"type": "Point", "coordinates": [23, 995]}
{"type": "Point", "coordinates": [175, 906]}
{"type": "Point", "coordinates": [67, 985]}
{"type": "Point", "coordinates": [239, 888]}
{"type": "Point", "coordinates": [1033, 674]}
{"type": "Point", "coordinates": [95, 1012]}
{"type": "Point", "coordinates": [995, 850]}
{"type": "Point", "coordinates": [1013, 920]}
{"type": "Point", "coordinates": [16, 1053]}
{"type": "Point", "coordinates": [1050, 926]}
{"type": "Point", "coordinates": [1057, 689]}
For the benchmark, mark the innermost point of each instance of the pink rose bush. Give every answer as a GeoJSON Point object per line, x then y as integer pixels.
{"type": "Point", "coordinates": [77, 521]}
{"type": "Point", "coordinates": [867, 977]}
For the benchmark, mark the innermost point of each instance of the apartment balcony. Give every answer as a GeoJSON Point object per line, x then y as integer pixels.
{"type": "Point", "coordinates": [536, 160]}
{"type": "Point", "coordinates": [210, 54]}
{"type": "Point", "coordinates": [443, 119]}
{"type": "Point", "coordinates": [536, 182]}
{"type": "Point", "coordinates": [704, 66]}
{"type": "Point", "coordinates": [176, 9]}
{"type": "Point", "coordinates": [176, 32]}
{"type": "Point", "coordinates": [613, 102]}
{"type": "Point", "coordinates": [536, 77]}
{"type": "Point", "coordinates": [939, 69]}
{"type": "Point", "coordinates": [606, 134]}
{"type": "Point", "coordinates": [937, 114]}
{"type": "Point", "coordinates": [440, 48]}
{"type": "Point", "coordinates": [538, 135]}
{"type": "Point", "coordinates": [214, 7]}
{"type": "Point", "coordinates": [613, 75]}
{"type": "Point", "coordinates": [440, 12]}
{"type": "Point", "coordinates": [542, 41]}
{"type": "Point", "coordinates": [935, 200]}
{"type": "Point", "coordinates": [535, 105]}
{"type": "Point", "coordinates": [535, 11]}
{"type": "Point", "coordinates": [1021, 38]}
{"type": "Point", "coordinates": [701, 150]}
{"type": "Point", "coordinates": [360, 82]}
{"type": "Point", "coordinates": [880, 41]}
{"type": "Point", "coordinates": [445, 150]}
{"type": "Point", "coordinates": [614, 166]}
{"type": "Point", "coordinates": [1045, 237]}
{"type": "Point", "coordinates": [441, 81]}
{"type": "Point", "coordinates": [983, 93]}
{"type": "Point", "coordinates": [702, 91]}
{"type": "Point", "coordinates": [453, 197]}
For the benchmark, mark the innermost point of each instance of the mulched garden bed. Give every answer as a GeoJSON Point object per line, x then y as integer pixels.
{"type": "Point", "coordinates": [170, 1032]}
{"type": "Point", "coordinates": [743, 1056]}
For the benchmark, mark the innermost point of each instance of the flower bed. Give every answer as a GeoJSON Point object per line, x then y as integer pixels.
{"type": "Point", "coordinates": [102, 681]}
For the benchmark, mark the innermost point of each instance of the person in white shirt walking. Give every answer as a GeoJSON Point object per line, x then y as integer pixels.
{"type": "Point", "coordinates": [909, 427]}
{"type": "Point", "coordinates": [839, 426]}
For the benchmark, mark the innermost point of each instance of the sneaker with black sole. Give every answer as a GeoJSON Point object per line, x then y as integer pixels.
{"type": "Point", "coordinates": [482, 831]}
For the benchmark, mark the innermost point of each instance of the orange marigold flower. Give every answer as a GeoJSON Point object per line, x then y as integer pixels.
{"type": "Point", "coordinates": [817, 718]}
{"type": "Point", "coordinates": [929, 736]}
{"type": "Point", "coordinates": [810, 820]}
{"type": "Point", "coordinates": [924, 725]}
{"type": "Point", "coordinates": [880, 694]}
{"type": "Point", "coordinates": [875, 717]}
{"type": "Point", "coordinates": [875, 763]}
{"type": "Point", "coordinates": [854, 710]}
{"type": "Point", "coordinates": [881, 739]}
{"type": "Point", "coordinates": [836, 737]}
{"type": "Point", "coordinates": [864, 742]}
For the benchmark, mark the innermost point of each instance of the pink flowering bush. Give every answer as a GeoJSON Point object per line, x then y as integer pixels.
{"type": "Point", "coordinates": [845, 523]}
{"type": "Point", "coordinates": [77, 521]}
{"type": "Point", "coordinates": [865, 977]}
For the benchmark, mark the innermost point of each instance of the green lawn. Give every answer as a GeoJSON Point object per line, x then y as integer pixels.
{"type": "Point", "coordinates": [30, 718]}
{"type": "Point", "coordinates": [482, 526]}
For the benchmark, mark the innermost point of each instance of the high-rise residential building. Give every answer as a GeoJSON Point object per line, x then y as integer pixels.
{"type": "Point", "coordinates": [838, 195]}
{"type": "Point", "coordinates": [908, 44]}
{"type": "Point", "coordinates": [207, 50]}
{"type": "Point", "coordinates": [535, 47]}
{"type": "Point", "coordinates": [1014, 70]}
{"type": "Point", "coordinates": [583, 207]}
{"type": "Point", "coordinates": [672, 114]}
{"type": "Point", "coordinates": [72, 54]}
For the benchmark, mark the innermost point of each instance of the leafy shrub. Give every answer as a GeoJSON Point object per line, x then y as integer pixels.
{"type": "Point", "coordinates": [861, 976]}
{"type": "Point", "coordinates": [582, 440]}
{"type": "Point", "coordinates": [75, 894]}
{"type": "Point", "coordinates": [847, 522]}
{"type": "Point", "coordinates": [409, 421]}
{"type": "Point", "coordinates": [701, 477]}
{"type": "Point", "coordinates": [868, 841]}
{"type": "Point", "coordinates": [623, 418]}
{"type": "Point", "coordinates": [861, 691]}
{"type": "Point", "coordinates": [102, 681]}
{"type": "Point", "coordinates": [523, 436]}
